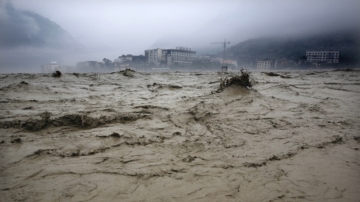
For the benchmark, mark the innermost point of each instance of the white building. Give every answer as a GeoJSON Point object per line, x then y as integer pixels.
{"type": "Point", "coordinates": [179, 56]}
{"type": "Point", "coordinates": [263, 65]}
{"type": "Point", "coordinates": [266, 64]}
{"type": "Point", "coordinates": [323, 56]}
{"type": "Point", "coordinates": [153, 56]}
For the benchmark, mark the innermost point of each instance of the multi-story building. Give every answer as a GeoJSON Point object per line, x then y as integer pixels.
{"type": "Point", "coordinates": [266, 64]}
{"type": "Point", "coordinates": [179, 56]}
{"type": "Point", "coordinates": [153, 56]}
{"type": "Point", "coordinates": [323, 56]}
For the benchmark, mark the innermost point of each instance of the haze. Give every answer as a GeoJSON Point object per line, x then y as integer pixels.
{"type": "Point", "coordinates": [111, 28]}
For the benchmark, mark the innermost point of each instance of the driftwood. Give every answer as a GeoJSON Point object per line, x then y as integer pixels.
{"type": "Point", "coordinates": [57, 74]}
{"type": "Point", "coordinates": [242, 80]}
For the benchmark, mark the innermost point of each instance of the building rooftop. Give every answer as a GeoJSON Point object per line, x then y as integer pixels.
{"type": "Point", "coordinates": [173, 49]}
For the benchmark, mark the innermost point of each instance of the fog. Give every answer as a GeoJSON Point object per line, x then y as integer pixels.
{"type": "Point", "coordinates": [106, 29]}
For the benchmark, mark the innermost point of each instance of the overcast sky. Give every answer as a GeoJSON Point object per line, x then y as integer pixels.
{"type": "Point", "coordinates": [135, 25]}
{"type": "Point", "coordinates": [109, 28]}
{"type": "Point", "coordinates": [131, 26]}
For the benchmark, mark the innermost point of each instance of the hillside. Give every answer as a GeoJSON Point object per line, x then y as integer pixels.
{"type": "Point", "coordinates": [294, 48]}
{"type": "Point", "coordinates": [29, 40]}
{"type": "Point", "coordinates": [27, 29]}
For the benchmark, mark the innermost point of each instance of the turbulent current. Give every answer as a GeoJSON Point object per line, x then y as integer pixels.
{"type": "Point", "coordinates": [132, 136]}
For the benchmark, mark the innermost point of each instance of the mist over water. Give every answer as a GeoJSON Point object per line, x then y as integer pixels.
{"type": "Point", "coordinates": [37, 32]}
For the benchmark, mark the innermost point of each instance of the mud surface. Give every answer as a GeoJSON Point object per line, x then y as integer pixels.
{"type": "Point", "coordinates": [133, 136]}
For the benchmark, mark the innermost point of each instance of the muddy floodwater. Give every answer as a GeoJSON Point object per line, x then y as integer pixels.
{"type": "Point", "coordinates": [133, 136]}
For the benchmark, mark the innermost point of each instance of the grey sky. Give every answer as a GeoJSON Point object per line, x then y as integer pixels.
{"type": "Point", "coordinates": [130, 26]}
{"type": "Point", "coordinates": [135, 25]}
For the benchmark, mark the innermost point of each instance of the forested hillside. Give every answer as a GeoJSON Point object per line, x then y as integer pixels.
{"type": "Point", "coordinates": [294, 48]}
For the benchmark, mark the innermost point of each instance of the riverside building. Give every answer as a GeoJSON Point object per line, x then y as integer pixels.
{"type": "Point", "coordinates": [153, 56]}
{"type": "Point", "coordinates": [180, 56]}
{"type": "Point", "coordinates": [266, 64]}
{"type": "Point", "coordinates": [323, 56]}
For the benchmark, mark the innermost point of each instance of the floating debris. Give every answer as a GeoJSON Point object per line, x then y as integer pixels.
{"type": "Point", "coordinates": [243, 80]}
{"type": "Point", "coordinates": [57, 74]}
{"type": "Point", "coordinates": [16, 140]}
{"type": "Point", "coordinates": [271, 74]}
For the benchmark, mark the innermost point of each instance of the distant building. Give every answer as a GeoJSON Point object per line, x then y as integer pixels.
{"type": "Point", "coordinates": [266, 64]}
{"type": "Point", "coordinates": [323, 56]}
{"type": "Point", "coordinates": [153, 56]}
{"type": "Point", "coordinates": [51, 67]}
{"type": "Point", "coordinates": [179, 56]}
